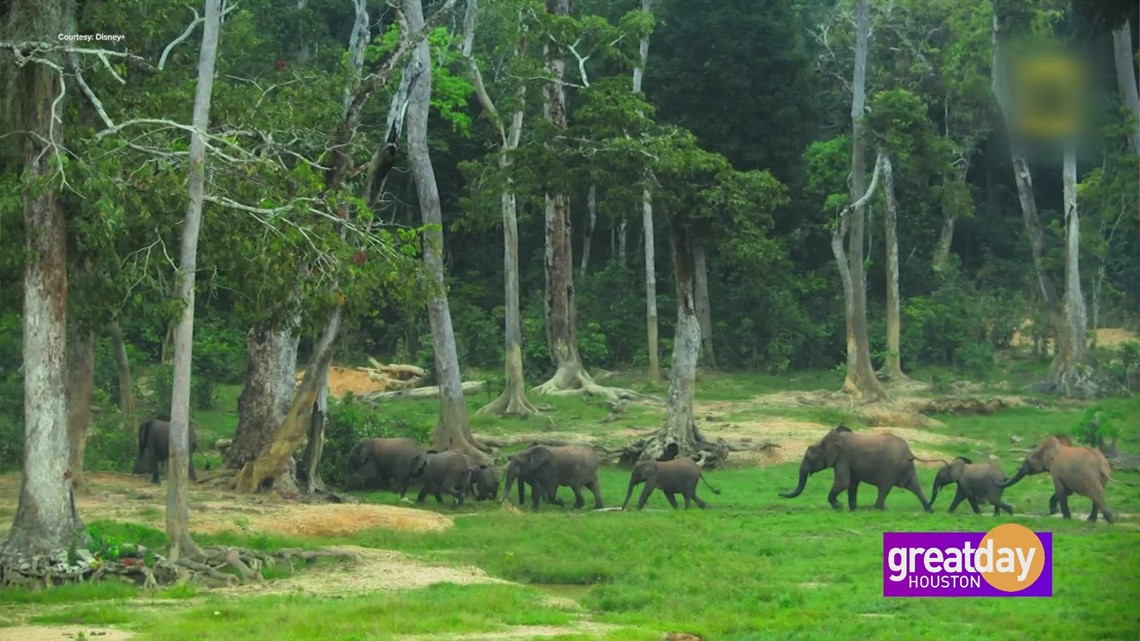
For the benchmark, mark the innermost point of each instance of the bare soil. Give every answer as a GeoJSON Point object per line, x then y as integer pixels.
{"type": "Point", "coordinates": [343, 380]}
{"type": "Point", "coordinates": [62, 633]}
{"type": "Point", "coordinates": [1105, 337]}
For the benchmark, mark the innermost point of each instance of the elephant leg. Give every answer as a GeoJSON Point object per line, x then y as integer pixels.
{"type": "Point", "coordinates": [1099, 504]}
{"type": "Point", "coordinates": [958, 498]}
{"type": "Point", "coordinates": [423, 494]}
{"type": "Point", "coordinates": [597, 492]}
{"type": "Point", "coordinates": [672, 499]}
{"type": "Point", "coordinates": [833, 495]}
{"type": "Point", "coordinates": [997, 509]}
{"type": "Point", "coordinates": [537, 491]}
{"type": "Point", "coordinates": [974, 504]}
{"type": "Point", "coordinates": [193, 476]}
{"type": "Point", "coordinates": [881, 501]}
{"type": "Point", "coordinates": [650, 485]}
{"type": "Point", "coordinates": [438, 496]}
{"type": "Point", "coordinates": [1092, 514]}
{"type": "Point", "coordinates": [1053, 501]}
{"type": "Point", "coordinates": [1062, 494]}
{"type": "Point", "coordinates": [700, 503]}
{"type": "Point", "coordinates": [579, 500]}
{"type": "Point", "coordinates": [153, 466]}
{"type": "Point", "coordinates": [403, 486]}
{"type": "Point", "coordinates": [852, 496]}
{"type": "Point", "coordinates": [1007, 507]}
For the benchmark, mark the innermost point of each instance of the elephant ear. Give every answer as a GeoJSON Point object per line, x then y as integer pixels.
{"type": "Point", "coordinates": [964, 460]}
{"type": "Point", "coordinates": [842, 428]}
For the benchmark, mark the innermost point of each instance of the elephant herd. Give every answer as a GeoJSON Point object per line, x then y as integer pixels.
{"type": "Point", "coordinates": [881, 460]}
{"type": "Point", "coordinates": [885, 462]}
{"type": "Point", "coordinates": [394, 463]}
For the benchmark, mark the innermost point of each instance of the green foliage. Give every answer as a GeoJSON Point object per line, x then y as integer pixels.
{"type": "Point", "coordinates": [1097, 426]}
{"type": "Point", "coordinates": [349, 420]}
{"type": "Point", "coordinates": [112, 444]}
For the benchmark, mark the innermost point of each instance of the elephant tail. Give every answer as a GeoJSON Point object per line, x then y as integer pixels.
{"type": "Point", "coordinates": [929, 460]}
{"type": "Point", "coordinates": [714, 490]}
{"type": "Point", "coordinates": [144, 434]}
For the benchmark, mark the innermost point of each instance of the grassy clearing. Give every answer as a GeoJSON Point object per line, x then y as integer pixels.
{"type": "Point", "coordinates": [755, 566]}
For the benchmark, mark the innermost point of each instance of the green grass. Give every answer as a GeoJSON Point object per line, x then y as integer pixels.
{"type": "Point", "coordinates": [754, 566]}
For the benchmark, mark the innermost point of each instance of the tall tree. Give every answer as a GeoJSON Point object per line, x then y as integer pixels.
{"type": "Point", "coordinates": [860, 380]}
{"type": "Point", "coordinates": [453, 431]}
{"type": "Point", "coordinates": [1126, 80]}
{"type": "Point", "coordinates": [46, 522]}
{"type": "Point", "coordinates": [80, 386]}
{"type": "Point", "coordinates": [649, 238]}
{"type": "Point", "coordinates": [892, 365]}
{"type": "Point", "coordinates": [178, 483]}
{"type": "Point", "coordinates": [513, 400]}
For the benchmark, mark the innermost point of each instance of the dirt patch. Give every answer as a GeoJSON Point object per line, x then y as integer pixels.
{"type": "Point", "coordinates": [379, 570]}
{"type": "Point", "coordinates": [134, 498]}
{"type": "Point", "coordinates": [343, 380]}
{"type": "Point", "coordinates": [61, 633]}
{"type": "Point", "coordinates": [523, 632]}
{"type": "Point", "coordinates": [1110, 337]}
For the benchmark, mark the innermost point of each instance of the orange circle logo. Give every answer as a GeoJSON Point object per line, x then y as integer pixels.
{"type": "Point", "coordinates": [1010, 558]}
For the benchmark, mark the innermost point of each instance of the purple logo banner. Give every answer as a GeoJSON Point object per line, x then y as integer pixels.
{"type": "Point", "coordinates": [1009, 560]}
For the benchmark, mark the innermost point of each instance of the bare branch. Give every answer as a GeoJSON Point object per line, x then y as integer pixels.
{"type": "Point", "coordinates": [186, 34]}
{"type": "Point", "coordinates": [95, 102]}
{"type": "Point", "coordinates": [476, 77]}
{"type": "Point", "coordinates": [581, 62]}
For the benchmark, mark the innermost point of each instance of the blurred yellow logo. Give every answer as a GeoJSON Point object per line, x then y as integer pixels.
{"type": "Point", "coordinates": [1049, 94]}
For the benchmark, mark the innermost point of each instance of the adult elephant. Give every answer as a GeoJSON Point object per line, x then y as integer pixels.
{"type": "Point", "coordinates": [882, 460]}
{"type": "Point", "coordinates": [548, 468]}
{"type": "Point", "coordinates": [672, 477]}
{"type": "Point", "coordinates": [975, 481]}
{"type": "Point", "coordinates": [535, 466]}
{"type": "Point", "coordinates": [389, 463]}
{"type": "Point", "coordinates": [154, 447]}
{"type": "Point", "coordinates": [449, 472]}
{"type": "Point", "coordinates": [1080, 470]}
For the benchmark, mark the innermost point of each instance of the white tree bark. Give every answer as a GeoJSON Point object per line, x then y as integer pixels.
{"type": "Point", "coordinates": [453, 431]}
{"type": "Point", "coordinates": [123, 364]}
{"type": "Point", "coordinates": [592, 208]}
{"type": "Point", "coordinates": [178, 481]}
{"type": "Point", "coordinates": [1071, 352]}
{"type": "Point", "coordinates": [860, 380]}
{"type": "Point", "coordinates": [651, 325]}
{"type": "Point", "coordinates": [704, 305]}
{"type": "Point", "coordinates": [268, 392]}
{"type": "Point", "coordinates": [1126, 81]}
{"type": "Point", "coordinates": [893, 364]}
{"type": "Point", "coordinates": [46, 522]}
{"type": "Point", "coordinates": [81, 384]}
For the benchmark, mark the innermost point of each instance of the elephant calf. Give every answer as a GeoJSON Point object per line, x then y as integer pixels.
{"type": "Point", "coordinates": [976, 481]}
{"type": "Point", "coordinates": [446, 472]}
{"type": "Point", "coordinates": [389, 463]}
{"type": "Point", "coordinates": [1080, 470]}
{"type": "Point", "coordinates": [485, 484]}
{"type": "Point", "coordinates": [672, 477]}
{"type": "Point", "coordinates": [154, 447]}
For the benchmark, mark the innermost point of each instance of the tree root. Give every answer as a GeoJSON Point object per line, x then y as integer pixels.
{"type": "Point", "coordinates": [573, 380]}
{"type": "Point", "coordinates": [510, 404]}
{"type": "Point", "coordinates": [708, 454]}
{"type": "Point", "coordinates": [151, 570]}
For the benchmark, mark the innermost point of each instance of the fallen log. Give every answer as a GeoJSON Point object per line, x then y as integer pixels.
{"type": "Point", "coordinates": [469, 387]}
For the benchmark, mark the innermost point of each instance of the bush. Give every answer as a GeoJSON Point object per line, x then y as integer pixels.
{"type": "Point", "coordinates": [1096, 428]}
{"type": "Point", "coordinates": [974, 360]}
{"type": "Point", "coordinates": [112, 445]}
{"type": "Point", "coordinates": [350, 420]}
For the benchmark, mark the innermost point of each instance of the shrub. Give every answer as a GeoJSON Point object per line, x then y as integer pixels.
{"type": "Point", "coordinates": [112, 445]}
{"type": "Point", "coordinates": [1096, 427]}
{"type": "Point", "coordinates": [350, 420]}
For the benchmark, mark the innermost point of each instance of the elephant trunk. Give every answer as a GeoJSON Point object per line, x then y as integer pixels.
{"type": "Point", "coordinates": [510, 482]}
{"type": "Point", "coordinates": [1021, 472]}
{"type": "Point", "coordinates": [800, 487]}
{"type": "Point", "coordinates": [632, 484]}
{"type": "Point", "coordinates": [934, 491]}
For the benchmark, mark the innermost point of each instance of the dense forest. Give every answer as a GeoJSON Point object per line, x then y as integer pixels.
{"type": "Point", "coordinates": [544, 192]}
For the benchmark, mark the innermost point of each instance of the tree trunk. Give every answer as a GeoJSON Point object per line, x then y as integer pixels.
{"type": "Point", "coordinates": [178, 480]}
{"type": "Point", "coordinates": [123, 363]}
{"type": "Point", "coordinates": [860, 380]}
{"type": "Point", "coordinates": [892, 367]}
{"type": "Point", "coordinates": [592, 206]}
{"type": "Point", "coordinates": [703, 307]}
{"type": "Point", "coordinates": [623, 234]}
{"type": "Point", "coordinates": [270, 470]}
{"type": "Point", "coordinates": [1069, 358]}
{"type": "Point", "coordinates": [650, 286]}
{"type": "Point", "coordinates": [648, 237]}
{"type": "Point", "coordinates": [949, 220]}
{"type": "Point", "coordinates": [46, 522]}
{"type": "Point", "coordinates": [270, 376]}
{"type": "Point", "coordinates": [680, 427]}
{"type": "Point", "coordinates": [453, 431]}
{"type": "Point", "coordinates": [315, 443]}
{"type": "Point", "coordinates": [81, 383]}
{"type": "Point", "coordinates": [1126, 81]}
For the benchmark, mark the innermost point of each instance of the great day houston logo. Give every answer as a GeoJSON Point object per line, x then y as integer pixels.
{"type": "Point", "coordinates": [1009, 560]}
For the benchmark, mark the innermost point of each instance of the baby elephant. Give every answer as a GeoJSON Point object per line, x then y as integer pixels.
{"type": "Point", "coordinates": [447, 472]}
{"type": "Point", "coordinates": [484, 484]}
{"type": "Point", "coordinates": [677, 476]}
{"type": "Point", "coordinates": [976, 481]}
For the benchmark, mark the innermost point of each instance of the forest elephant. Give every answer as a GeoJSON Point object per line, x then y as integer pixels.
{"type": "Point", "coordinates": [672, 477]}
{"type": "Point", "coordinates": [387, 463]}
{"type": "Point", "coordinates": [975, 481]}
{"type": "Point", "coordinates": [534, 466]}
{"type": "Point", "coordinates": [1080, 470]}
{"type": "Point", "coordinates": [447, 472]}
{"type": "Point", "coordinates": [485, 484]}
{"type": "Point", "coordinates": [882, 460]}
{"type": "Point", "coordinates": [154, 448]}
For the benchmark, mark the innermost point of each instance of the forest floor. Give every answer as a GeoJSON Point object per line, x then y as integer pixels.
{"type": "Point", "coordinates": [753, 564]}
